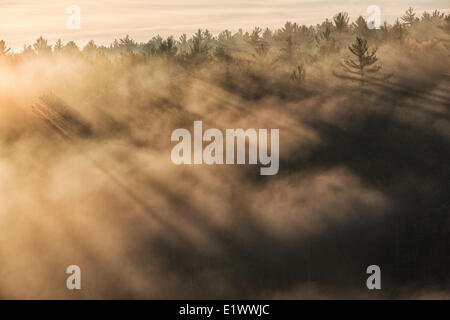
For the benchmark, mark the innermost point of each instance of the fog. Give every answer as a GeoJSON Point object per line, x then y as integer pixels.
{"type": "Point", "coordinates": [86, 176]}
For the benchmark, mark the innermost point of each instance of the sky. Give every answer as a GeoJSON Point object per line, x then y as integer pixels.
{"type": "Point", "coordinates": [23, 21]}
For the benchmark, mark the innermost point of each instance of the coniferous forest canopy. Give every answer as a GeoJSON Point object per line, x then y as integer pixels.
{"type": "Point", "coordinates": [364, 178]}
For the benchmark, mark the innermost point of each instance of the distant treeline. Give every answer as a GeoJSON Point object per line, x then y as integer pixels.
{"type": "Point", "coordinates": [290, 40]}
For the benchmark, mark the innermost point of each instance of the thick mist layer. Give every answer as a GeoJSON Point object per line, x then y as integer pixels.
{"type": "Point", "coordinates": [86, 176]}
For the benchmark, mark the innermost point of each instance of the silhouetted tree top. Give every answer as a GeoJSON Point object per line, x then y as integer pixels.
{"type": "Point", "coordinates": [4, 50]}
{"type": "Point", "coordinates": [42, 47]}
{"type": "Point", "coordinates": [71, 48]}
{"type": "Point", "coordinates": [365, 60]}
{"type": "Point", "coordinates": [199, 45]}
{"type": "Point", "coordinates": [341, 21]}
{"type": "Point", "coordinates": [58, 46]}
{"type": "Point", "coordinates": [360, 27]}
{"type": "Point", "coordinates": [409, 17]}
{"type": "Point", "coordinates": [168, 47]}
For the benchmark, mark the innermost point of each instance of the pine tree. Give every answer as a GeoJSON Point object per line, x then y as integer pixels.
{"type": "Point", "coordinates": [255, 36]}
{"type": "Point", "coordinates": [325, 41]}
{"type": "Point", "coordinates": [128, 44]}
{"type": "Point", "coordinates": [41, 46]}
{"type": "Point", "coordinates": [398, 31]}
{"type": "Point", "coordinates": [409, 18]}
{"type": "Point", "coordinates": [199, 45]}
{"type": "Point", "coordinates": [90, 49]}
{"type": "Point", "coordinates": [259, 44]}
{"type": "Point", "coordinates": [224, 36]}
{"type": "Point", "coordinates": [182, 44]}
{"type": "Point", "coordinates": [267, 35]}
{"type": "Point", "coordinates": [287, 34]}
{"type": "Point", "coordinates": [360, 27]}
{"type": "Point", "coordinates": [3, 49]}
{"type": "Point", "coordinates": [364, 62]}
{"type": "Point", "coordinates": [341, 21]}
{"type": "Point", "coordinates": [27, 51]}
{"type": "Point", "coordinates": [168, 47]}
{"type": "Point", "coordinates": [58, 46]}
{"type": "Point", "coordinates": [298, 75]}
{"type": "Point", "coordinates": [384, 31]}
{"type": "Point", "coordinates": [71, 48]}
{"type": "Point", "coordinates": [436, 16]}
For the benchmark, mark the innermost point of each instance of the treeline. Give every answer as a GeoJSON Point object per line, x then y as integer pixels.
{"type": "Point", "coordinates": [290, 40]}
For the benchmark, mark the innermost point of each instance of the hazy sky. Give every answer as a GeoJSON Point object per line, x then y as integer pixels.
{"type": "Point", "coordinates": [22, 21]}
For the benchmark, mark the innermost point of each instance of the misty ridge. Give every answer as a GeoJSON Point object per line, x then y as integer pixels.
{"type": "Point", "coordinates": [364, 175]}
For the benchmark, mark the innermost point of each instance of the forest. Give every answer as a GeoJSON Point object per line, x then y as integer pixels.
{"type": "Point", "coordinates": [364, 172]}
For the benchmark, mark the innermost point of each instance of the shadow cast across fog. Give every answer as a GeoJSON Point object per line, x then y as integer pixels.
{"type": "Point", "coordinates": [406, 163]}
